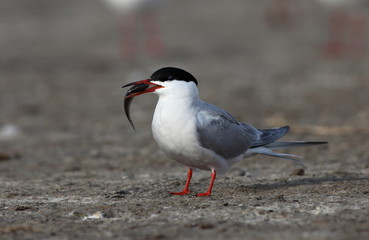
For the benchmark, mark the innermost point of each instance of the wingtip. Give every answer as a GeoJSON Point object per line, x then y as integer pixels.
{"type": "Point", "coordinates": [317, 143]}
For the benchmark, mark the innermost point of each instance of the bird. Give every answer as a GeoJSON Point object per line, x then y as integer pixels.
{"type": "Point", "coordinates": [347, 28]}
{"type": "Point", "coordinates": [138, 19]}
{"type": "Point", "coordinates": [201, 135]}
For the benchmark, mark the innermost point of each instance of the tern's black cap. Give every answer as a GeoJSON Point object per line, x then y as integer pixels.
{"type": "Point", "coordinates": [172, 73]}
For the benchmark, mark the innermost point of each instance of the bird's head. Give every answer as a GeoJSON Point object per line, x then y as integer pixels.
{"type": "Point", "coordinates": [165, 81]}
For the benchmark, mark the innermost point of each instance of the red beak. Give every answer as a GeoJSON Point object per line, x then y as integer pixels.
{"type": "Point", "coordinates": [138, 88]}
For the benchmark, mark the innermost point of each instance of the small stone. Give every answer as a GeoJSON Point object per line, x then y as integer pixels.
{"type": "Point", "coordinates": [238, 173]}
{"type": "Point", "coordinates": [9, 132]}
{"type": "Point", "coordinates": [280, 198]}
{"type": "Point", "coordinates": [205, 225]}
{"type": "Point", "coordinates": [96, 215]}
{"type": "Point", "coordinates": [22, 208]}
{"type": "Point", "coordinates": [298, 172]}
{"type": "Point", "coordinates": [119, 194]}
{"type": "Point", "coordinates": [78, 214]}
{"type": "Point", "coordinates": [5, 157]}
{"type": "Point", "coordinates": [95, 153]}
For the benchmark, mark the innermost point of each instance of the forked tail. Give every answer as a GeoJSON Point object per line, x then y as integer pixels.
{"type": "Point", "coordinates": [268, 150]}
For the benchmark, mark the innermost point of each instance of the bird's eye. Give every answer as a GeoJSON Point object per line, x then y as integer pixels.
{"type": "Point", "coordinates": [170, 78]}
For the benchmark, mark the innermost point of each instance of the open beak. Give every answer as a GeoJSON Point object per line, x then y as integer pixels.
{"type": "Point", "coordinates": [138, 88]}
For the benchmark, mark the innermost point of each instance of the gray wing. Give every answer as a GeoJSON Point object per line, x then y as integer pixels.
{"type": "Point", "coordinates": [221, 133]}
{"type": "Point", "coordinates": [270, 135]}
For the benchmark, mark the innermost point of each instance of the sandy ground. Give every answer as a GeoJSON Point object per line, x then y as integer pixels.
{"type": "Point", "coordinates": [71, 166]}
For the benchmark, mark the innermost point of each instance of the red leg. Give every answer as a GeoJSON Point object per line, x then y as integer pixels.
{"type": "Point", "coordinates": [186, 189]}
{"type": "Point", "coordinates": [359, 33]}
{"type": "Point", "coordinates": [208, 192]}
{"type": "Point", "coordinates": [154, 42]}
{"type": "Point", "coordinates": [336, 34]}
{"type": "Point", "coordinates": [129, 35]}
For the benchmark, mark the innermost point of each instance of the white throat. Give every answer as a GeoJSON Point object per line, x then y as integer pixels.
{"type": "Point", "coordinates": [176, 103]}
{"type": "Point", "coordinates": [177, 90]}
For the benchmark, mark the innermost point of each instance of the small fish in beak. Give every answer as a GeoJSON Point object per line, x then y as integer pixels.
{"type": "Point", "coordinates": [138, 88]}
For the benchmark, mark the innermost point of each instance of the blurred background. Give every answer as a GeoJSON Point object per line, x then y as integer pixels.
{"type": "Point", "coordinates": [269, 63]}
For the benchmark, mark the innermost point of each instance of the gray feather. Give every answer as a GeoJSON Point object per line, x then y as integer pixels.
{"type": "Point", "coordinates": [270, 135]}
{"type": "Point", "coordinates": [221, 133]}
{"type": "Point", "coordinates": [292, 144]}
{"type": "Point", "coordinates": [269, 152]}
{"type": "Point", "coordinates": [224, 135]}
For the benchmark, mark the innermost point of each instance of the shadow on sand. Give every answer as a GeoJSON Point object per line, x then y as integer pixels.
{"type": "Point", "coordinates": [338, 177]}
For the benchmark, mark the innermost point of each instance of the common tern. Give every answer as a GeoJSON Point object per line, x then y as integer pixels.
{"type": "Point", "coordinates": [347, 33]}
{"type": "Point", "coordinates": [201, 135]}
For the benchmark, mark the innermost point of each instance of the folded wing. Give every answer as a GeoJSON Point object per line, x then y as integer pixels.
{"type": "Point", "coordinates": [221, 133]}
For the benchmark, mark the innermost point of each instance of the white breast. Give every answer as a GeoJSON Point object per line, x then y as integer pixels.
{"type": "Point", "coordinates": [174, 129]}
{"type": "Point", "coordinates": [174, 126]}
